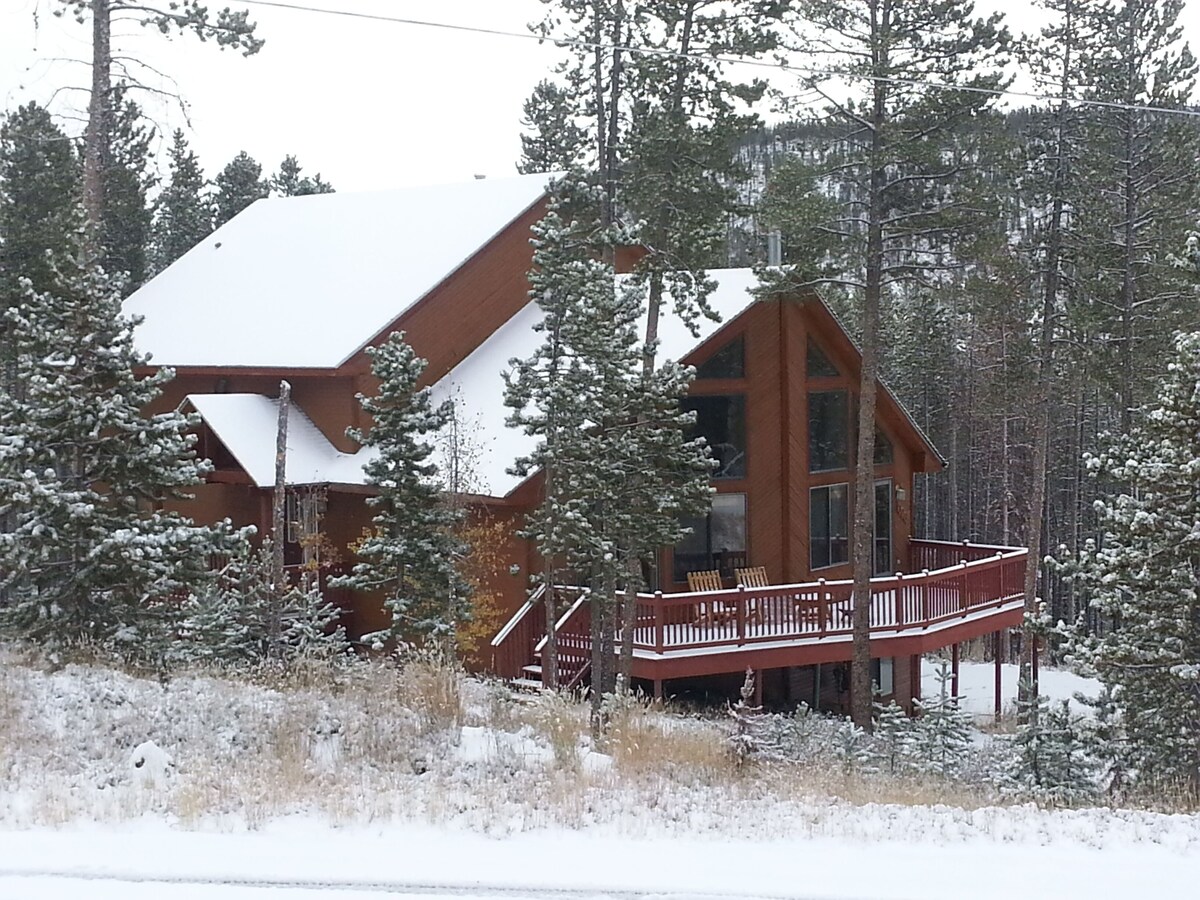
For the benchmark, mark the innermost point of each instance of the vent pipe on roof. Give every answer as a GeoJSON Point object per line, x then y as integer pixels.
{"type": "Point", "coordinates": [774, 248]}
{"type": "Point", "coordinates": [480, 177]}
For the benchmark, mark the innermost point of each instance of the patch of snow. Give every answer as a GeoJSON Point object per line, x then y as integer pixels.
{"type": "Point", "coordinates": [977, 686]}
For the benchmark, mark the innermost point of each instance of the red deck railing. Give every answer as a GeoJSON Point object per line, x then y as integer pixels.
{"type": "Point", "coordinates": [956, 580]}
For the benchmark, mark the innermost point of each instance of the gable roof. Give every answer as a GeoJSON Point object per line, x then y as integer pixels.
{"type": "Point", "coordinates": [476, 385]}
{"type": "Point", "coordinates": [306, 282]}
{"type": "Point", "coordinates": [246, 424]}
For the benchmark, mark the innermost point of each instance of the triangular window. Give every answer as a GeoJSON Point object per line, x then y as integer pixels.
{"type": "Point", "coordinates": [819, 365]}
{"type": "Point", "coordinates": [728, 362]}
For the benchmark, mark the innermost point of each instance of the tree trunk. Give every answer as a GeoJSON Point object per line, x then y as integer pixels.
{"type": "Point", "coordinates": [279, 525]}
{"type": "Point", "coordinates": [633, 577]}
{"type": "Point", "coordinates": [98, 136]}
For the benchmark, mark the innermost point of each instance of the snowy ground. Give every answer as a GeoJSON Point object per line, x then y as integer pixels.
{"type": "Point", "coordinates": [977, 685]}
{"type": "Point", "coordinates": [249, 792]}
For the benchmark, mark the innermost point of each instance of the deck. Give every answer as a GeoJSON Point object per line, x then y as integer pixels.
{"type": "Point", "coordinates": [958, 591]}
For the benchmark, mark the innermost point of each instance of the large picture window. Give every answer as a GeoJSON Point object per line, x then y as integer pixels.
{"type": "Point", "coordinates": [721, 419]}
{"type": "Point", "coordinates": [728, 362]}
{"type": "Point", "coordinates": [828, 430]}
{"type": "Point", "coordinates": [717, 541]}
{"type": "Point", "coordinates": [828, 525]}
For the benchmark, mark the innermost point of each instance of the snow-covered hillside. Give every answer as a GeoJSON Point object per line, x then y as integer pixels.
{"type": "Point", "coordinates": [403, 782]}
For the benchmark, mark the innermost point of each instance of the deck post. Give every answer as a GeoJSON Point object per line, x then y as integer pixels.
{"type": "Point", "coordinates": [658, 628]}
{"type": "Point", "coordinates": [925, 597]}
{"type": "Point", "coordinates": [817, 688]}
{"type": "Point", "coordinates": [758, 689]}
{"type": "Point", "coordinates": [899, 600]}
{"type": "Point", "coordinates": [963, 600]}
{"type": "Point", "coordinates": [954, 659]}
{"type": "Point", "coordinates": [658, 689]}
{"type": "Point", "coordinates": [741, 615]}
{"type": "Point", "coordinates": [822, 609]}
{"type": "Point", "coordinates": [999, 657]}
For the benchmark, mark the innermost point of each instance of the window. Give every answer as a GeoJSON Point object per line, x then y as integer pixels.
{"type": "Point", "coordinates": [883, 527]}
{"type": "Point", "coordinates": [717, 541]}
{"type": "Point", "coordinates": [828, 427]}
{"type": "Point", "coordinates": [828, 525]}
{"type": "Point", "coordinates": [818, 365]}
{"type": "Point", "coordinates": [883, 449]}
{"type": "Point", "coordinates": [883, 675]}
{"type": "Point", "coordinates": [728, 362]}
{"type": "Point", "coordinates": [721, 419]}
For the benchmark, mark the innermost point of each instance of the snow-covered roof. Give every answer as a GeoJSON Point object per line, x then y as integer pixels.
{"type": "Point", "coordinates": [305, 282]}
{"type": "Point", "coordinates": [476, 385]}
{"type": "Point", "coordinates": [246, 424]}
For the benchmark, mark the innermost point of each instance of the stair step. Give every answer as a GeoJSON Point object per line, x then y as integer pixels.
{"type": "Point", "coordinates": [528, 684]}
{"type": "Point", "coordinates": [533, 670]}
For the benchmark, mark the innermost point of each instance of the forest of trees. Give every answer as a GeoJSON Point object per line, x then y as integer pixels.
{"type": "Point", "coordinates": [1024, 278]}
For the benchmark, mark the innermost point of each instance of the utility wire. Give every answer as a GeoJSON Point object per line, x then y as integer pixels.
{"type": "Point", "coordinates": [811, 71]}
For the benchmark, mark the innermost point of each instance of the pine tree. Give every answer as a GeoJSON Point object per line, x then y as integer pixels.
{"type": "Point", "coordinates": [895, 738]}
{"type": "Point", "coordinates": [554, 142]}
{"type": "Point", "coordinates": [619, 471]}
{"type": "Point", "coordinates": [227, 620]}
{"type": "Point", "coordinates": [1053, 762]}
{"type": "Point", "coordinates": [183, 215]}
{"type": "Point", "coordinates": [943, 729]}
{"type": "Point", "coordinates": [239, 184]}
{"type": "Point", "coordinates": [88, 552]}
{"type": "Point", "coordinates": [39, 200]}
{"type": "Point", "coordinates": [410, 555]}
{"type": "Point", "coordinates": [897, 188]}
{"type": "Point", "coordinates": [125, 235]}
{"type": "Point", "coordinates": [1143, 579]}
{"type": "Point", "coordinates": [288, 182]}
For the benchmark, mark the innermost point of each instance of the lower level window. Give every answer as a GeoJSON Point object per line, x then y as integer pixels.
{"type": "Point", "coordinates": [883, 675]}
{"type": "Point", "coordinates": [828, 525]}
{"type": "Point", "coordinates": [717, 541]}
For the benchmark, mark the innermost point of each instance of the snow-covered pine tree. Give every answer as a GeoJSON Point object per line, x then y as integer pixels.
{"type": "Point", "coordinates": [553, 142]}
{"type": "Point", "coordinates": [183, 214]}
{"type": "Point", "coordinates": [228, 619]}
{"type": "Point", "coordinates": [943, 729]}
{"type": "Point", "coordinates": [239, 184]}
{"type": "Point", "coordinates": [288, 182]}
{"type": "Point", "coordinates": [1144, 579]}
{"type": "Point", "coordinates": [1053, 760]}
{"type": "Point", "coordinates": [88, 552]}
{"type": "Point", "coordinates": [410, 555]}
{"type": "Point", "coordinates": [895, 738]}
{"type": "Point", "coordinates": [620, 473]}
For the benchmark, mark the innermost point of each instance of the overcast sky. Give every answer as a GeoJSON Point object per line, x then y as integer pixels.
{"type": "Point", "coordinates": [367, 104]}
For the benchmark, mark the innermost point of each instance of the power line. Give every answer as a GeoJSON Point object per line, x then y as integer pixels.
{"type": "Point", "coordinates": [732, 60]}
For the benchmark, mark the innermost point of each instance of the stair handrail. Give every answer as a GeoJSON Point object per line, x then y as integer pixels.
{"type": "Point", "coordinates": [520, 614]}
{"type": "Point", "coordinates": [584, 593]}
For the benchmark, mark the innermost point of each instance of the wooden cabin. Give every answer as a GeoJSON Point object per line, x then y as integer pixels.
{"type": "Point", "coordinates": [298, 288]}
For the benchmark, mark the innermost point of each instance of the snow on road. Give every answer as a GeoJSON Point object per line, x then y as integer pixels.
{"type": "Point", "coordinates": [302, 859]}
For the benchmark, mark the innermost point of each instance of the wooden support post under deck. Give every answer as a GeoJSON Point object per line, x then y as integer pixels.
{"type": "Point", "coordinates": [658, 689]}
{"type": "Point", "coordinates": [999, 660]}
{"type": "Point", "coordinates": [758, 688]}
{"type": "Point", "coordinates": [817, 688]}
{"type": "Point", "coordinates": [954, 658]}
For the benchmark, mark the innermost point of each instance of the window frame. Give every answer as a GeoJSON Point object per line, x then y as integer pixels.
{"type": "Point", "coordinates": [830, 538]}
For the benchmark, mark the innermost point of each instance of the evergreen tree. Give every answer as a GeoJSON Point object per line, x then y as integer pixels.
{"type": "Point", "coordinates": [943, 729]}
{"type": "Point", "coordinates": [183, 215]}
{"type": "Point", "coordinates": [410, 555]}
{"type": "Point", "coordinates": [125, 235]}
{"type": "Point", "coordinates": [228, 619]}
{"type": "Point", "coordinates": [239, 184]}
{"type": "Point", "coordinates": [1053, 762]}
{"type": "Point", "coordinates": [895, 738]}
{"type": "Point", "coordinates": [39, 201]}
{"type": "Point", "coordinates": [896, 190]}
{"type": "Point", "coordinates": [1143, 579]}
{"type": "Point", "coordinates": [620, 473]}
{"type": "Point", "coordinates": [555, 143]}
{"type": "Point", "coordinates": [88, 552]}
{"type": "Point", "coordinates": [288, 182]}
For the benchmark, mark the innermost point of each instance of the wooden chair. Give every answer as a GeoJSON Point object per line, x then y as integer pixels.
{"type": "Point", "coordinates": [712, 612]}
{"type": "Point", "coordinates": [755, 577]}
{"type": "Point", "coordinates": [704, 581]}
{"type": "Point", "coordinates": [752, 578]}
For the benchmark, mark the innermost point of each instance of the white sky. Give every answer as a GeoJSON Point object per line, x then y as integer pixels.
{"type": "Point", "coordinates": [367, 104]}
